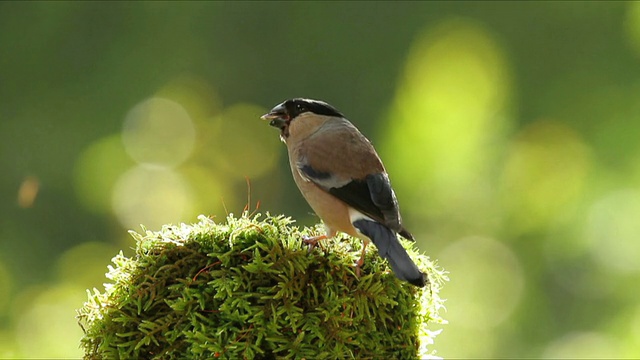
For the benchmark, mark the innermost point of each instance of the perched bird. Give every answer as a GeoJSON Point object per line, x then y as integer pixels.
{"type": "Point", "coordinates": [342, 178]}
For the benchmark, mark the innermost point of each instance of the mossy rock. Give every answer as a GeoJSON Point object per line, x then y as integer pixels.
{"type": "Point", "coordinates": [249, 288]}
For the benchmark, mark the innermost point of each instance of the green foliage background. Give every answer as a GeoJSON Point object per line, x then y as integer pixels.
{"type": "Point", "coordinates": [509, 129]}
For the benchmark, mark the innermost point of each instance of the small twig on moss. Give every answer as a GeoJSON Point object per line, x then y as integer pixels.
{"type": "Point", "coordinates": [206, 268]}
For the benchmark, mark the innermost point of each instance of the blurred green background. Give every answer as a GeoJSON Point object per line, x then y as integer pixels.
{"type": "Point", "coordinates": [511, 132]}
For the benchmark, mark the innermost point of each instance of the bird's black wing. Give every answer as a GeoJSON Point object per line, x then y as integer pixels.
{"type": "Point", "coordinates": [372, 196]}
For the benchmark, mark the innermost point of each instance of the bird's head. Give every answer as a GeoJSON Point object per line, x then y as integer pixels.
{"type": "Point", "coordinates": [299, 116]}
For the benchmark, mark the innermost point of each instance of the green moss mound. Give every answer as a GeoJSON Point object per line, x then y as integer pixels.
{"type": "Point", "coordinates": [249, 288]}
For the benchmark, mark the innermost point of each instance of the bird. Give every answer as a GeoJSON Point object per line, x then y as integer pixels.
{"type": "Point", "coordinates": [341, 176]}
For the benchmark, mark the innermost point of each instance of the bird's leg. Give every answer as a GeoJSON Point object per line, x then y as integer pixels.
{"type": "Point", "coordinates": [313, 241]}
{"type": "Point", "coordinates": [360, 261]}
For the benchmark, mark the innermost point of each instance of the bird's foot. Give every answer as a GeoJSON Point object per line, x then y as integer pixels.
{"type": "Point", "coordinates": [313, 241]}
{"type": "Point", "coordinates": [360, 261]}
{"type": "Point", "coordinates": [358, 266]}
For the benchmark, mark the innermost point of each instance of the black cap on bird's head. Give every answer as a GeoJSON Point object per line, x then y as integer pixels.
{"type": "Point", "coordinates": [282, 114]}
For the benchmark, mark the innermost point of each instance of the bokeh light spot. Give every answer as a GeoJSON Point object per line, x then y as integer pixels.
{"type": "Point", "coordinates": [151, 196]}
{"type": "Point", "coordinates": [582, 345]}
{"type": "Point", "coordinates": [632, 25]}
{"type": "Point", "coordinates": [197, 96]}
{"type": "Point", "coordinates": [633, 336]}
{"type": "Point", "coordinates": [8, 347]}
{"type": "Point", "coordinates": [613, 229]}
{"type": "Point", "coordinates": [214, 193]}
{"type": "Point", "coordinates": [28, 191]}
{"type": "Point", "coordinates": [483, 345]}
{"type": "Point", "coordinates": [544, 173]}
{"type": "Point", "coordinates": [158, 131]}
{"type": "Point", "coordinates": [448, 117]}
{"type": "Point", "coordinates": [97, 170]}
{"type": "Point", "coordinates": [488, 284]}
{"type": "Point", "coordinates": [85, 264]}
{"type": "Point", "coordinates": [243, 145]}
{"type": "Point", "coordinates": [50, 314]}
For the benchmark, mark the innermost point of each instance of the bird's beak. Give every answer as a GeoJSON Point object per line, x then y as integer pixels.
{"type": "Point", "coordinates": [278, 116]}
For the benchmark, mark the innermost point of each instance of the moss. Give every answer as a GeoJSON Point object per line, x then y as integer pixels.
{"type": "Point", "coordinates": [249, 288]}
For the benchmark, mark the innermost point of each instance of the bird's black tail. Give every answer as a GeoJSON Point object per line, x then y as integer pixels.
{"type": "Point", "coordinates": [389, 247]}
